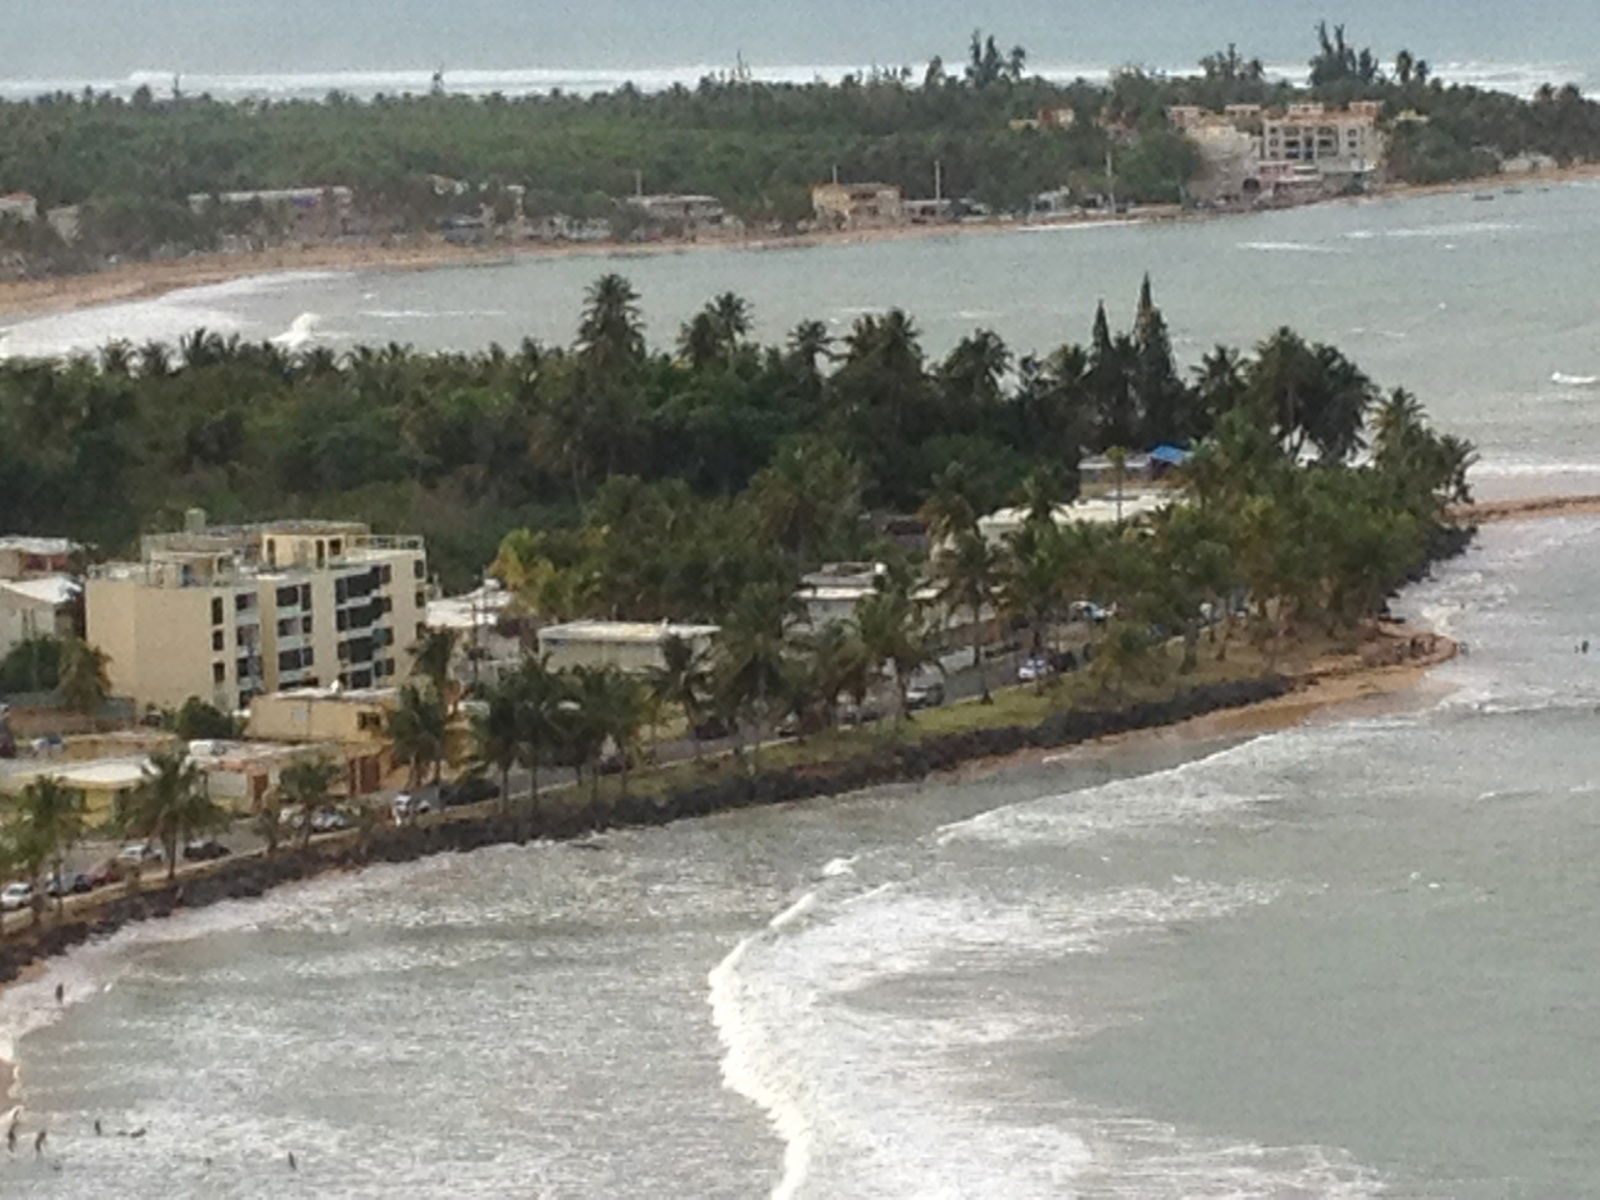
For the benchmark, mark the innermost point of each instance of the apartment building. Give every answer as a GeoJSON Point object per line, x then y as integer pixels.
{"type": "Point", "coordinates": [227, 613]}
{"type": "Point", "coordinates": [1301, 150]}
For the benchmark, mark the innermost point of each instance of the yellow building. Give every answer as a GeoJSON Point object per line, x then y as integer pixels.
{"type": "Point", "coordinates": [226, 613]}
{"type": "Point", "coordinates": [354, 720]}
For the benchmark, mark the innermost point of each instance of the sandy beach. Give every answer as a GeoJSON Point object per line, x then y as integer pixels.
{"type": "Point", "coordinates": [132, 281]}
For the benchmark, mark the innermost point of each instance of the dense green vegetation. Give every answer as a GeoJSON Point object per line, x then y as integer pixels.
{"type": "Point", "coordinates": [711, 467]}
{"type": "Point", "coordinates": [757, 146]}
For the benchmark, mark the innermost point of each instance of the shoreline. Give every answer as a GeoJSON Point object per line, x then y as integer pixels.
{"type": "Point", "coordinates": [130, 282]}
{"type": "Point", "coordinates": [1395, 662]}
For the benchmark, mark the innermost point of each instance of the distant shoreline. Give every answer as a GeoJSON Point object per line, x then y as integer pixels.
{"type": "Point", "coordinates": [136, 281]}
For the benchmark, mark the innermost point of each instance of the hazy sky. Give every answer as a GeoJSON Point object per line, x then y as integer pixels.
{"type": "Point", "coordinates": [107, 39]}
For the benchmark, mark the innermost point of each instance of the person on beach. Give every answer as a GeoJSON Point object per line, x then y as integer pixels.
{"type": "Point", "coordinates": [293, 1166]}
{"type": "Point", "coordinates": [11, 1133]}
{"type": "Point", "coordinates": [38, 1142]}
{"type": "Point", "coordinates": [61, 992]}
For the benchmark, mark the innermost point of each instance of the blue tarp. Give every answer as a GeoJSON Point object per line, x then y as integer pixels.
{"type": "Point", "coordinates": [1173, 456]}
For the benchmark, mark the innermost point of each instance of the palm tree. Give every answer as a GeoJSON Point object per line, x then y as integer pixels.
{"type": "Point", "coordinates": [306, 783]}
{"type": "Point", "coordinates": [1033, 579]}
{"type": "Point", "coordinates": [610, 332]}
{"type": "Point", "coordinates": [1118, 457]}
{"type": "Point", "coordinates": [968, 569]}
{"type": "Point", "coordinates": [431, 657]}
{"type": "Point", "coordinates": [949, 510]}
{"type": "Point", "coordinates": [835, 664]}
{"type": "Point", "coordinates": [753, 656]}
{"type": "Point", "coordinates": [49, 820]}
{"type": "Point", "coordinates": [417, 732]}
{"type": "Point", "coordinates": [730, 315]}
{"type": "Point", "coordinates": [170, 805]}
{"type": "Point", "coordinates": [83, 681]}
{"type": "Point", "coordinates": [682, 679]}
{"type": "Point", "coordinates": [895, 637]}
{"type": "Point", "coordinates": [497, 734]}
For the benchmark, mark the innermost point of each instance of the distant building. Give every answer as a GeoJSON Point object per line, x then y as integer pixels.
{"type": "Point", "coordinates": [1302, 150]}
{"type": "Point", "coordinates": [1001, 524]}
{"type": "Point", "coordinates": [631, 646]}
{"type": "Point", "coordinates": [487, 643]}
{"type": "Point", "coordinates": [226, 613]}
{"type": "Point", "coordinates": [857, 205]}
{"type": "Point", "coordinates": [354, 720]}
{"type": "Point", "coordinates": [32, 557]}
{"type": "Point", "coordinates": [19, 206]}
{"type": "Point", "coordinates": [41, 607]}
{"type": "Point", "coordinates": [1047, 118]}
{"type": "Point", "coordinates": [671, 208]}
{"type": "Point", "coordinates": [311, 211]}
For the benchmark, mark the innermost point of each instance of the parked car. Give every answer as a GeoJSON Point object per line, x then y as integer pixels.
{"type": "Point", "coordinates": [141, 852]}
{"type": "Point", "coordinates": [1088, 610]}
{"type": "Point", "coordinates": [16, 896]}
{"type": "Point", "coordinates": [1033, 668]}
{"type": "Point", "coordinates": [202, 849]}
{"type": "Point", "coordinates": [72, 884]}
{"type": "Point", "coordinates": [474, 789]}
{"type": "Point", "coordinates": [925, 695]}
{"type": "Point", "coordinates": [713, 728]}
{"type": "Point", "coordinates": [109, 871]}
{"type": "Point", "coordinates": [329, 820]}
{"type": "Point", "coordinates": [410, 805]}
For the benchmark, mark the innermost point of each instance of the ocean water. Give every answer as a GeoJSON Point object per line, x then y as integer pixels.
{"type": "Point", "coordinates": [1476, 305]}
{"type": "Point", "coordinates": [1347, 959]}
{"type": "Point", "coordinates": [300, 47]}
{"type": "Point", "coordinates": [1351, 958]}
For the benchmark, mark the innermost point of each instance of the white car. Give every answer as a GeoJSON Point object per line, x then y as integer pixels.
{"type": "Point", "coordinates": [140, 852]}
{"type": "Point", "coordinates": [1033, 669]}
{"type": "Point", "coordinates": [413, 804]}
{"type": "Point", "coordinates": [16, 896]}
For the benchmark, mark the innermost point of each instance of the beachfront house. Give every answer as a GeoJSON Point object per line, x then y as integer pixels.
{"type": "Point", "coordinates": [679, 211]}
{"type": "Point", "coordinates": [1298, 151]}
{"type": "Point", "coordinates": [857, 205]}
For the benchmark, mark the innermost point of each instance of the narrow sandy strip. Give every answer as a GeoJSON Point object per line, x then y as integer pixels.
{"type": "Point", "coordinates": [1528, 508]}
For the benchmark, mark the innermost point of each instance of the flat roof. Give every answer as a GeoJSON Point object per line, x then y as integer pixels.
{"type": "Point", "coordinates": [54, 590]}
{"type": "Point", "coordinates": [37, 545]}
{"type": "Point", "coordinates": [623, 631]}
{"type": "Point", "coordinates": [344, 695]}
{"type": "Point", "coordinates": [120, 772]}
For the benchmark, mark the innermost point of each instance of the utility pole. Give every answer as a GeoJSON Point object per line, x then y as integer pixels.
{"type": "Point", "coordinates": [938, 181]}
{"type": "Point", "coordinates": [638, 183]}
{"type": "Point", "coordinates": [1111, 180]}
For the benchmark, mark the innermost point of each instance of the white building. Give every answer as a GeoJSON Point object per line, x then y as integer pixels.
{"type": "Point", "coordinates": [32, 608]}
{"type": "Point", "coordinates": [631, 646]}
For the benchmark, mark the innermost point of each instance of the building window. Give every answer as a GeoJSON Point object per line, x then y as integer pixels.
{"type": "Point", "coordinates": [388, 604]}
{"type": "Point", "coordinates": [244, 602]}
{"type": "Point", "coordinates": [216, 610]}
{"type": "Point", "coordinates": [272, 552]}
{"type": "Point", "coordinates": [242, 666]}
{"type": "Point", "coordinates": [289, 660]}
{"type": "Point", "coordinates": [416, 568]}
{"type": "Point", "coordinates": [219, 672]}
{"type": "Point", "coordinates": [420, 599]}
{"type": "Point", "coordinates": [341, 620]}
{"type": "Point", "coordinates": [288, 597]}
{"type": "Point", "coordinates": [307, 657]}
{"type": "Point", "coordinates": [216, 639]}
{"type": "Point", "coordinates": [305, 595]}
{"type": "Point", "coordinates": [385, 573]}
{"type": "Point", "coordinates": [336, 547]}
{"type": "Point", "coordinates": [369, 722]}
{"type": "Point", "coordinates": [341, 590]}
{"type": "Point", "coordinates": [286, 627]}
{"type": "Point", "coordinates": [305, 624]}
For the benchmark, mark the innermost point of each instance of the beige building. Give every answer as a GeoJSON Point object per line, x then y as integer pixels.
{"type": "Point", "coordinates": [1305, 149]}
{"type": "Point", "coordinates": [34, 557]}
{"type": "Point", "coordinates": [857, 205]}
{"type": "Point", "coordinates": [631, 646]}
{"type": "Point", "coordinates": [226, 613]}
{"type": "Point", "coordinates": [353, 721]}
